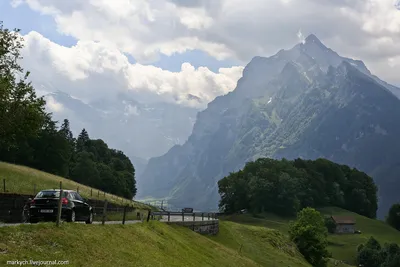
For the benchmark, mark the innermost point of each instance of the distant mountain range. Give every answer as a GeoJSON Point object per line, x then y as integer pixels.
{"type": "Point", "coordinates": [306, 102]}
{"type": "Point", "coordinates": [140, 130]}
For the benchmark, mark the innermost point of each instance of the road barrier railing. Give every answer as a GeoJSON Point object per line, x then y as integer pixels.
{"type": "Point", "coordinates": [183, 216]}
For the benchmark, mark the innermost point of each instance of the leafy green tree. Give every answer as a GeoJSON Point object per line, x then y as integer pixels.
{"type": "Point", "coordinates": [393, 218]}
{"type": "Point", "coordinates": [234, 192]}
{"type": "Point", "coordinates": [51, 151]}
{"type": "Point", "coordinates": [284, 187]}
{"type": "Point", "coordinates": [372, 243]}
{"type": "Point", "coordinates": [368, 257]}
{"type": "Point", "coordinates": [309, 234]}
{"type": "Point", "coordinates": [392, 261]}
{"type": "Point", "coordinates": [22, 113]}
{"type": "Point", "coordinates": [372, 254]}
{"type": "Point", "coordinates": [85, 170]}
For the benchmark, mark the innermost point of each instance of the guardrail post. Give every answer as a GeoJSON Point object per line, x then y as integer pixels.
{"type": "Point", "coordinates": [183, 216]}
{"type": "Point", "coordinates": [208, 216]}
{"type": "Point", "coordinates": [169, 216]}
{"type": "Point", "coordinates": [123, 218]}
{"type": "Point", "coordinates": [4, 185]}
{"type": "Point", "coordinates": [194, 216]}
{"type": "Point", "coordinates": [103, 220]}
{"type": "Point", "coordinates": [202, 216]}
{"type": "Point", "coordinates": [59, 206]}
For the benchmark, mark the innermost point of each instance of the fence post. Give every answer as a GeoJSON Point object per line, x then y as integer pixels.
{"type": "Point", "coordinates": [124, 217]}
{"type": "Point", "coordinates": [208, 216]}
{"type": "Point", "coordinates": [91, 192]}
{"type": "Point", "coordinates": [202, 216]}
{"type": "Point", "coordinates": [59, 207]}
{"type": "Point", "coordinates": [4, 185]}
{"type": "Point", "coordinates": [183, 216]}
{"type": "Point", "coordinates": [104, 194]}
{"type": "Point", "coordinates": [104, 212]}
{"type": "Point", "coordinates": [169, 216]}
{"type": "Point", "coordinates": [148, 215]}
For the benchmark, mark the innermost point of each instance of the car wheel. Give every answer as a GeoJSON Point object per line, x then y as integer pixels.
{"type": "Point", "coordinates": [72, 216]}
{"type": "Point", "coordinates": [90, 219]}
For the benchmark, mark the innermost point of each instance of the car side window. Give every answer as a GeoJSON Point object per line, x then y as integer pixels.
{"type": "Point", "coordinates": [71, 196]}
{"type": "Point", "coordinates": [78, 197]}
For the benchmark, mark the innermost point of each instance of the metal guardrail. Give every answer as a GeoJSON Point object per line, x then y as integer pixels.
{"type": "Point", "coordinates": [184, 216]}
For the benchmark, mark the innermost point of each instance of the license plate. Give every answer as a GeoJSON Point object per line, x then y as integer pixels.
{"type": "Point", "coordinates": [46, 211]}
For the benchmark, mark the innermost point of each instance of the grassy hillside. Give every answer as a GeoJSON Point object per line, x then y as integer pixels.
{"type": "Point", "coordinates": [267, 247]}
{"type": "Point", "coordinates": [342, 247]}
{"type": "Point", "coordinates": [22, 180]}
{"type": "Point", "coordinates": [147, 244]}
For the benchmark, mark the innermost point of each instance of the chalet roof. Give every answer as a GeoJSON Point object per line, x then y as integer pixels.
{"type": "Point", "coordinates": [343, 220]}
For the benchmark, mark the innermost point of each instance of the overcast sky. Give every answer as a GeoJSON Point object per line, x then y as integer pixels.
{"type": "Point", "coordinates": [171, 48]}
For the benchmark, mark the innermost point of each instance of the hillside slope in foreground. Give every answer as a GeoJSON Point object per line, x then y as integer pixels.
{"type": "Point", "coordinates": [147, 244]}
{"type": "Point", "coordinates": [25, 180]}
{"type": "Point", "coordinates": [342, 247]}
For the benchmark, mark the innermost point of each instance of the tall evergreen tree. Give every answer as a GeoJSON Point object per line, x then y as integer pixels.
{"type": "Point", "coordinates": [82, 141]}
{"type": "Point", "coordinates": [22, 113]}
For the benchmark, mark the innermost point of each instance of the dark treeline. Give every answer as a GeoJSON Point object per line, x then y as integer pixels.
{"type": "Point", "coordinates": [29, 136]}
{"type": "Point", "coordinates": [285, 187]}
{"type": "Point", "coordinates": [373, 254]}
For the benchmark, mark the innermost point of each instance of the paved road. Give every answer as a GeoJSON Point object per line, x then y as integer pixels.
{"type": "Point", "coordinates": [173, 218]}
{"type": "Point", "coordinates": [95, 222]}
{"type": "Point", "coordinates": [178, 218]}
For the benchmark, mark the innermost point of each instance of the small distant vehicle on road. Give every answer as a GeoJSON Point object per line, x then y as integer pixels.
{"type": "Point", "coordinates": [44, 207]}
{"type": "Point", "coordinates": [187, 210]}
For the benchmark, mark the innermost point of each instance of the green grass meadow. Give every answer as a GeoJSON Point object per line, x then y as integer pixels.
{"type": "Point", "coordinates": [22, 180]}
{"type": "Point", "coordinates": [342, 247]}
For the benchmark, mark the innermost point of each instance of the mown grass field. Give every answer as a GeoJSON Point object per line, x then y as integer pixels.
{"type": "Point", "coordinates": [147, 244]}
{"type": "Point", "coordinates": [342, 247]}
{"type": "Point", "coordinates": [22, 180]}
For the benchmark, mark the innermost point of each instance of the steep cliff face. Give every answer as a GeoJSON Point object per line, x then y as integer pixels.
{"type": "Point", "coordinates": [305, 102]}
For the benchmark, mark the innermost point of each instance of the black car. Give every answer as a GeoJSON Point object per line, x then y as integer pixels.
{"type": "Point", "coordinates": [187, 210]}
{"type": "Point", "coordinates": [44, 207]}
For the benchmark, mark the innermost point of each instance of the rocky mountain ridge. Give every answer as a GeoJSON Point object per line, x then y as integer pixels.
{"type": "Point", "coordinates": [306, 102]}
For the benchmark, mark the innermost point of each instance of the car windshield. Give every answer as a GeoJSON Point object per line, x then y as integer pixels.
{"type": "Point", "coordinates": [49, 194]}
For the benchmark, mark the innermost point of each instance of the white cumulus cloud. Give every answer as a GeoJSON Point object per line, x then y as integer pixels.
{"type": "Point", "coordinates": [53, 105]}
{"type": "Point", "coordinates": [91, 70]}
{"type": "Point", "coordinates": [225, 29]}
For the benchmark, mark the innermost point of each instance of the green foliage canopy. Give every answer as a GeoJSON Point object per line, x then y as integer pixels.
{"type": "Point", "coordinates": [309, 234]}
{"type": "Point", "coordinates": [284, 187]}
